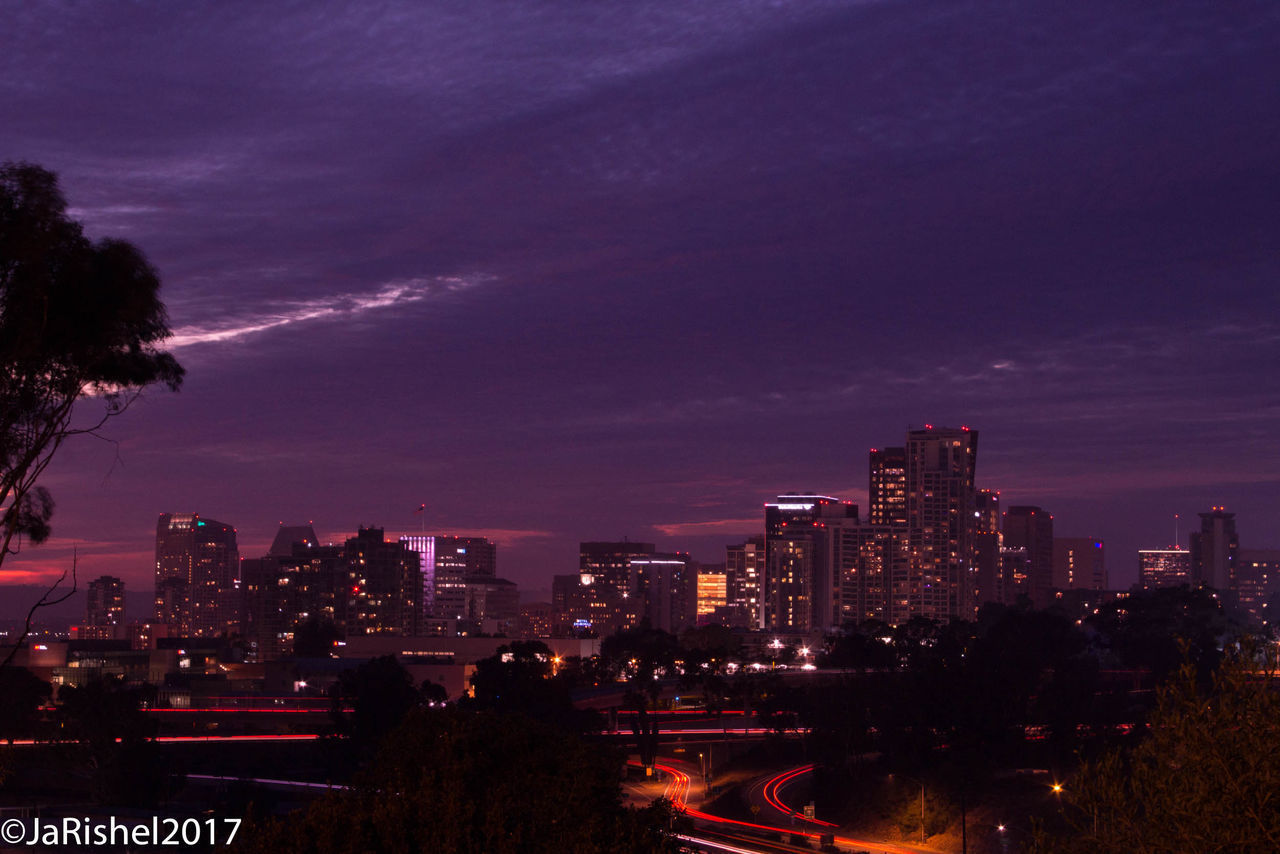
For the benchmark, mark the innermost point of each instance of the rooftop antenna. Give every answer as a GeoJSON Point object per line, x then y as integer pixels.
{"type": "Point", "coordinates": [1176, 541]}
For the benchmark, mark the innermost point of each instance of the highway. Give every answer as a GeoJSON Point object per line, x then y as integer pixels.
{"type": "Point", "coordinates": [738, 833]}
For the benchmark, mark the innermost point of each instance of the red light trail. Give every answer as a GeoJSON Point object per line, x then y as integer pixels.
{"type": "Point", "coordinates": [773, 789]}
{"type": "Point", "coordinates": [677, 792]}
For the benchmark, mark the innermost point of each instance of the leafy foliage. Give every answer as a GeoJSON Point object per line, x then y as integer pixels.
{"type": "Point", "coordinates": [451, 781]}
{"type": "Point", "coordinates": [21, 694]}
{"type": "Point", "coordinates": [1206, 778]}
{"type": "Point", "coordinates": [77, 319]}
{"type": "Point", "coordinates": [113, 735]}
{"type": "Point", "coordinates": [380, 693]}
{"type": "Point", "coordinates": [522, 678]}
{"type": "Point", "coordinates": [1161, 628]}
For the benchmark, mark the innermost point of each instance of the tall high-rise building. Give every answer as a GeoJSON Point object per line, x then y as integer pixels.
{"type": "Point", "coordinates": [1079, 563]}
{"type": "Point", "coordinates": [1169, 567]}
{"type": "Point", "coordinates": [801, 581]}
{"type": "Point", "coordinates": [941, 464]}
{"type": "Point", "coordinates": [610, 564]}
{"type": "Point", "coordinates": [713, 592]}
{"type": "Point", "coordinates": [1258, 585]}
{"type": "Point", "coordinates": [666, 588]}
{"type": "Point", "coordinates": [297, 580]}
{"type": "Point", "coordinates": [490, 599]}
{"type": "Point", "coordinates": [888, 488]}
{"type": "Point", "coordinates": [384, 585]}
{"type": "Point", "coordinates": [1015, 569]}
{"type": "Point", "coordinates": [1032, 528]}
{"type": "Point", "coordinates": [992, 583]}
{"type": "Point", "coordinates": [745, 568]}
{"type": "Point", "coordinates": [872, 570]}
{"type": "Point", "coordinates": [584, 603]}
{"type": "Point", "coordinates": [197, 575]}
{"type": "Point", "coordinates": [444, 565]}
{"type": "Point", "coordinates": [986, 509]}
{"type": "Point", "coordinates": [104, 610]}
{"type": "Point", "coordinates": [1214, 550]}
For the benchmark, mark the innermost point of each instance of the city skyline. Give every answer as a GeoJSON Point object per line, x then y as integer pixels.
{"type": "Point", "coordinates": [1113, 570]}
{"type": "Point", "coordinates": [634, 274]}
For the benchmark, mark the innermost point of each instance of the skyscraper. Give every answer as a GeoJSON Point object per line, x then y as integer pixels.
{"type": "Point", "coordinates": [457, 559]}
{"type": "Point", "coordinates": [1079, 563]}
{"type": "Point", "coordinates": [444, 565]}
{"type": "Point", "coordinates": [1169, 567]}
{"type": "Point", "coordinates": [1257, 583]}
{"type": "Point", "coordinates": [666, 588]}
{"type": "Point", "coordinates": [712, 592]}
{"type": "Point", "coordinates": [993, 584]}
{"type": "Point", "coordinates": [1214, 550]}
{"type": "Point", "coordinates": [1032, 528]}
{"type": "Point", "coordinates": [940, 468]}
{"type": "Point", "coordinates": [197, 575]}
{"type": "Point", "coordinates": [888, 487]}
{"type": "Point", "coordinates": [297, 580]}
{"type": "Point", "coordinates": [104, 610]}
{"type": "Point", "coordinates": [801, 581]}
{"type": "Point", "coordinates": [384, 585]}
{"type": "Point", "coordinates": [745, 568]}
{"type": "Point", "coordinates": [872, 567]}
{"type": "Point", "coordinates": [610, 564]}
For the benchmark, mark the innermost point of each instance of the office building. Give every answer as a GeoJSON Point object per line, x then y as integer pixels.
{"type": "Point", "coordinates": [297, 580]}
{"type": "Point", "coordinates": [666, 589]}
{"type": "Point", "coordinates": [610, 564]}
{"type": "Point", "coordinates": [491, 605]}
{"type": "Point", "coordinates": [888, 487]}
{"type": "Point", "coordinates": [872, 567]}
{"type": "Point", "coordinates": [384, 585]}
{"type": "Point", "coordinates": [1079, 563]}
{"type": "Point", "coordinates": [801, 580]}
{"type": "Point", "coordinates": [105, 605]}
{"type": "Point", "coordinates": [713, 593]}
{"type": "Point", "coordinates": [1169, 567]}
{"type": "Point", "coordinates": [1214, 550]}
{"type": "Point", "coordinates": [587, 605]}
{"type": "Point", "coordinates": [197, 575]}
{"type": "Point", "coordinates": [991, 585]}
{"type": "Point", "coordinates": [745, 567]}
{"type": "Point", "coordinates": [104, 617]}
{"type": "Point", "coordinates": [541, 620]}
{"type": "Point", "coordinates": [1031, 528]}
{"type": "Point", "coordinates": [940, 467]}
{"type": "Point", "coordinates": [1015, 566]}
{"type": "Point", "coordinates": [444, 565]}
{"type": "Point", "coordinates": [1258, 585]}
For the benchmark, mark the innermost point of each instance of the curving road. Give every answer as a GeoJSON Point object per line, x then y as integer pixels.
{"type": "Point", "coordinates": [679, 786]}
{"type": "Point", "coordinates": [771, 791]}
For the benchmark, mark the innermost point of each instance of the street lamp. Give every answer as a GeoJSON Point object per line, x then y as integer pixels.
{"type": "Point", "coordinates": [921, 785]}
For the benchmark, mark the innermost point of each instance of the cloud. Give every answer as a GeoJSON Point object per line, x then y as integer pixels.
{"type": "Point", "coordinates": [711, 527]}
{"type": "Point", "coordinates": [391, 295]}
{"type": "Point", "coordinates": [16, 577]}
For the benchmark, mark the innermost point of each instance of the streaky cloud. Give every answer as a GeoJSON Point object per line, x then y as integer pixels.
{"type": "Point", "coordinates": [392, 294]}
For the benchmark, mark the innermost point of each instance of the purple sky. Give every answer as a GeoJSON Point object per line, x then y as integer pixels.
{"type": "Point", "coordinates": [572, 271]}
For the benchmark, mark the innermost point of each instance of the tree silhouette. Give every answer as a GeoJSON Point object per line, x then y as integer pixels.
{"type": "Point", "coordinates": [1204, 779]}
{"type": "Point", "coordinates": [449, 780]}
{"type": "Point", "coordinates": [77, 320]}
{"type": "Point", "coordinates": [114, 735]}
